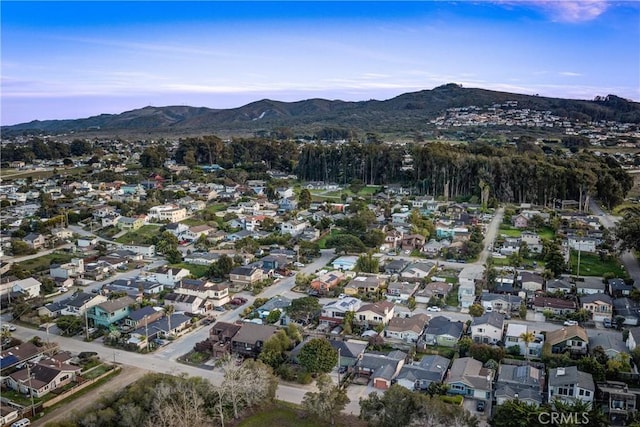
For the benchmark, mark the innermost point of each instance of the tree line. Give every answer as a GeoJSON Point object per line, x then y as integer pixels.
{"type": "Point", "coordinates": [516, 174]}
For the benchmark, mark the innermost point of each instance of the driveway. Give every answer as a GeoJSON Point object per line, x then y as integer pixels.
{"type": "Point", "coordinates": [470, 405]}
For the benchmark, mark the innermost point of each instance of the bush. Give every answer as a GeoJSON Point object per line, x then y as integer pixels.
{"type": "Point", "coordinates": [454, 400]}
{"type": "Point", "coordinates": [304, 377]}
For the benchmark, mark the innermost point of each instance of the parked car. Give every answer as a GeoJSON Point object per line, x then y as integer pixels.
{"type": "Point", "coordinates": [570, 323]}
{"type": "Point", "coordinates": [219, 309]}
{"type": "Point", "coordinates": [434, 308]}
{"type": "Point", "coordinates": [606, 323]}
{"type": "Point", "coordinates": [480, 406]}
{"type": "Point", "coordinates": [342, 369]}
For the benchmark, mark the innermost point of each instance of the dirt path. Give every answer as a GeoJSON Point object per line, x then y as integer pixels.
{"type": "Point", "coordinates": [127, 376]}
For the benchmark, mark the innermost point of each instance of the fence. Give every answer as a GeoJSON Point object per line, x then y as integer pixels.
{"type": "Point", "coordinates": [77, 388]}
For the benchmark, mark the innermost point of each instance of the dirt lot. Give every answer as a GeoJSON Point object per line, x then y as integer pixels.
{"type": "Point", "coordinates": [127, 376]}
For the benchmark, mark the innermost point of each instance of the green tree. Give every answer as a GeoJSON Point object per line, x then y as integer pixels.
{"type": "Point", "coordinates": [554, 259]}
{"type": "Point", "coordinates": [318, 355]}
{"type": "Point", "coordinates": [304, 199]}
{"type": "Point", "coordinates": [327, 402]}
{"type": "Point", "coordinates": [304, 309]}
{"type": "Point", "coordinates": [356, 185]}
{"type": "Point", "coordinates": [591, 365]}
{"type": "Point", "coordinates": [169, 309]}
{"type": "Point", "coordinates": [476, 310]}
{"type": "Point", "coordinates": [69, 325]}
{"type": "Point", "coordinates": [628, 232]}
{"type": "Point", "coordinates": [366, 263]}
{"type": "Point", "coordinates": [516, 413]}
{"type": "Point", "coordinates": [273, 317]}
{"type": "Point", "coordinates": [527, 337]}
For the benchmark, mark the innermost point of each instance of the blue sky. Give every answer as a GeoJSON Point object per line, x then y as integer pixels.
{"type": "Point", "coordinates": [65, 60]}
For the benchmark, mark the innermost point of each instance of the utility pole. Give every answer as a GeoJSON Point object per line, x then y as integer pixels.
{"type": "Point", "coordinates": [339, 366]}
{"type": "Point", "coordinates": [146, 330]}
{"type": "Point", "coordinates": [33, 404]}
{"type": "Point", "coordinates": [86, 322]}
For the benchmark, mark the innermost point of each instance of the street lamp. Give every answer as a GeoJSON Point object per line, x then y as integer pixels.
{"type": "Point", "coordinates": [339, 367]}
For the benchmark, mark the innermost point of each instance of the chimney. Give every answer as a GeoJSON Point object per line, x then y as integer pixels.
{"type": "Point", "coordinates": [560, 372]}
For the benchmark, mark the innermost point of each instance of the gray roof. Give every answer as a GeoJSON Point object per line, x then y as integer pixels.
{"type": "Point", "coordinates": [558, 284]}
{"type": "Point", "coordinates": [142, 313]}
{"type": "Point", "coordinates": [470, 372]}
{"type": "Point", "coordinates": [430, 368]}
{"type": "Point", "coordinates": [525, 376]}
{"type": "Point", "coordinates": [608, 342]}
{"type": "Point", "coordinates": [442, 326]}
{"type": "Point", "coordinates": [79, 300]}
{"type": "Point", "coordinates": [275, 302]}
{"type": "Point", "coordinates": [251, 333]}
{"type": "Point", "coordinates": [522, 393]}
{"type": "Point", "coordinates": [494, 319]}
{"type": "Point", "coordinates": [349, 349]}
{"type": "Point", "coordinates": [596, 297]}
{"type": "Point", "coordinates": [571, 376]}
{"type": "Point", "coordinates": [512, 299]}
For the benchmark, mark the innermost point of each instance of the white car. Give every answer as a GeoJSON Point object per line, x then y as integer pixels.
{"type": "Point", "coordinates": [570, 323]}
{"type": "Point", "coordinates": [433, 308]}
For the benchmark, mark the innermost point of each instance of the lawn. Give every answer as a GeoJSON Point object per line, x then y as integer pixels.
{"type": "Point", "coordinates": [141, 236]}
{"type": "Point", "coordinates": [592, 265]}
{"type": "Point", "coordinates": [196, 271]}
{"type": "Point", "coordinates": [323, 241]}
{"type": "Point", "coordinates": [452, 297]}
{"type": "Point", "coordinates": [42, 263]}
{"type": "Point", "coordinates": [509, 231]}
{"type": "Point", "coordinates": [286, 416]}
{"type": "Point", "coordinates": [216, 207]}
{"type": "Point", "coordinates": [95, 373]}
{"type": "Point", "coordinates": [193, 222]}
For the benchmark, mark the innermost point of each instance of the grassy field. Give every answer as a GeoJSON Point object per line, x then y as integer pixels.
{"type": "Point", "coordinates": [591, 265]}
{"type": "Point", "coordinates": [141, 236]}
{"type": "Point", "coordinates": [284, 415]}
{"type": "Point", "coordinates": [8, 173]}
{"type": "Point", "coordinates": [509, 231]}
{"type": "Point", "coordinates": [192, 222]}
{"type": "Point", "coordinates": [323, 241]}
{"type": "Point", "coordinates": [196, 271]}
{"type": "Point", "coordinates": [42, 263]}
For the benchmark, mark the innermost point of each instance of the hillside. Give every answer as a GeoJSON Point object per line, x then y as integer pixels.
{"type": "Point", "coordinates": [405, 113]}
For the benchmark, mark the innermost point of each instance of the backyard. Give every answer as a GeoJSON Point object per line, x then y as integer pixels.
{"type": "Point", "coordinates": [593, 265]}
{"type": "Point", "coordinates": [196, 271]}
{"type": "Point", "coordinates": [35, 265]}
{"type": "Point", "coordinates": [141, 236]}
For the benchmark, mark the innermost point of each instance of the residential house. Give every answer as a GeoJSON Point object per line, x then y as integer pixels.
{"type": "Point", "coordinates": [432, 248]}
{"type": "Point", "coordinates": [395, 266]}
{"type": "Point", "coordinates": [569, 338]}
{"type": "Point", "coordinates": [503, 303]}
{"type": "Point", "coordinates": [246, 275]}
{"type": "Point", "coordinates": [53, 309]}
{"type": "Point", "coordinates": [520, 221]}
{"type": "Point", "coordinates": [568, 384]}
{"type": "Point", "coordinates": [215, 293]}
{"type": "Point", "coordinates": [287, 204]}
{"type": "Point", "coordinates": [582, 243]}
{"type": "Point", "coordinates": [165, 327]}
{"type": "Point", "coordinates": [168, 276]}
{"type": "Point", "coordinates": [590, 285]}
{"type": "Point", "coordinates": [19, 354]}
{"type": "Point", "coordinates": [109, 312]}
{"type": "Point", "coordinates": [442, 331]}
{"type": "Point", "coordinates": [417, 271]}
{"type": "Point", "coordinates": [513, 337]}
{"type": "Point", "coordinates": [530, 282]}
{"type": "Point", "coordinates": [347, 262]}
{"type": "Point", "coordinates": [533, 241]}
{"type": "Point", "coordinates": [380, 369]}
{"type": "Point", "coordinates": [401, 291]}
{"type": "Point", "coordinates": [250, 339]}
{"type": "Point", "coordinates": [293, 227]}
{"type": "Point", "coordinates": [468, 377]}
{"type": "Point", "coordinates": [8, 414]}
{"type": "Point", "coordinates": [35, 240]}
{"type": "Point", "coordinates": [169, 213]}
{"type": "Point", "coordinates": [131, 223]}
{"type": "Point", "coordinates": [350, 351]}
{"type": "Point", "coordinates": [276, 303]}
{"type": "Point", "coordinates": [525, 383]}
{"type": "Point", "coordinates": [143, 317]}
{"type": "Point", "coordinates": [612, 345]}
{"type": "Point", "coordinates": [488, 328]}
{"type": "Point", "coordinates": [619, 288]}
{"type": "Point", "coordinates": [333, 312]}
{"type": "Point", "coordinates": [201, 258]}
{"type": "Point", "coordinates": [392, 240]}
{"type": "Point", "coordinates": [627, 309]}
{"type": "Point", "coordinates": [28, 287]}
{"type": "Point", "coordinates": [408, 329]}
{"type": "Point", "coordinates": [599, 305]}
{"type": "Point", "coordinates": [191, 304]}
{"type": "Point", "coordinates": [412, 242]}
{"type": "Point", "coordinates": [197, 231]}
{"type": "Point", "coordinates": [554, 305]}
{"type": "Point", "coordinates": [178, 229]}
{"type": "Point", "coordinates": [418, 376]}
{"type": "Point", "coordinates": [433, 290]}
{"type": "Point", "coordinates": [220, 336]}
{"type": "Point", "coordinates": [61, 233]}
{"type": "Point", "coordinates": [467, 284]}
{"type": "Point", "coordinates": [80, 302]}
{"type": "Point", "coordinates": [147, 251]}
{"type": "Point", "coordinates": [40, 379]}
{"type": "Point", "coordinates": [328, 281]}
{"type": "Point", "coordinates": [620, 402]}
{"type": "Point", "coordinates": [375, 313]}
{"type": "Point", "coordinates": [559, 285]}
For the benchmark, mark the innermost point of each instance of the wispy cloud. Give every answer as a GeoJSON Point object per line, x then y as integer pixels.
{"type": "Point", "coordinates": [570, 74]}
{"type": "Point", "coordinates": [572, 11]}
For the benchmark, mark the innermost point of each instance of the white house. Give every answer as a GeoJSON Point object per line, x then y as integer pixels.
{"type": "Point", "coordinates": [407, 329]}
{"type": "Point", "coordinates": [333, 312]}
{"type": "Point", "coordinates": [168, 276]}
{"type": "Point", "coordinates": [488, 328]}
{"type": "Point", "coordinates": [294, 227]}
{"type": "Point", "coordinates": [170, 213]}
{"type": "Point", "coordinates": [513, 337]}
{"type": "Point", "coordinates": [568, 384]}
{"type": "Point", "coordinates": [376, 313]}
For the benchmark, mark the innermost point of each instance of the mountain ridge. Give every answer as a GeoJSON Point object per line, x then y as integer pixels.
{"type": "Point", "coordinates": [402, 113]}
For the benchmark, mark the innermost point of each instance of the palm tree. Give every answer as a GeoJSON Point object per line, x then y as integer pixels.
{"type": "Point", "coordinates": [528, 337]}
{"type": "Point", "coordinates": [169, 310]}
